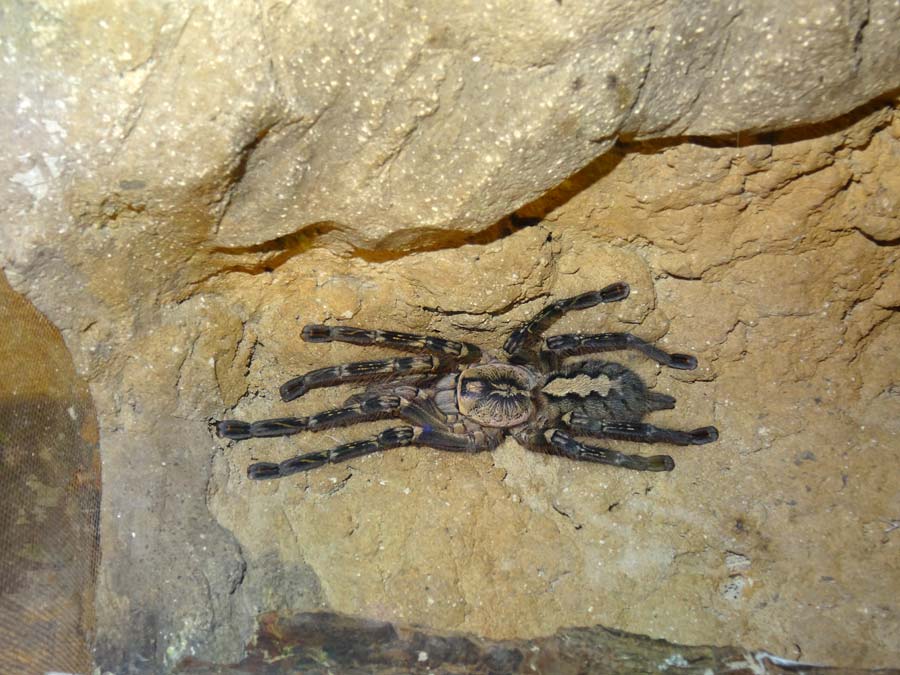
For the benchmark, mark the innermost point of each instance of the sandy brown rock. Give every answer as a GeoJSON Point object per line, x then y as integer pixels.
{"type": "Point", "coordinates": [186, 187]}
{"type": "Point", "coordinates": [780, 530]}
{"type": "Point", "coordinates": [390, 125]}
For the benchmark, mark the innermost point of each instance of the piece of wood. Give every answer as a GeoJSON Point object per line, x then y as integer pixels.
{"type": "Point", "coordinates": [321, 643]}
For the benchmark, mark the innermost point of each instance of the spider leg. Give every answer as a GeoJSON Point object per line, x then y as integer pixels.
{"type": "Point", "coordinates": [573, 449]}
{"type": "Point", "coordinates": [638, 432]}
{"type": "Point", "coordinates": [409, 405]}
{"type": "Point", "coordinates": [361, 370]}
{"type": "Point", "coordinates": [525, 336]}
{"type": "Point", "coordinates": [460, 351]}
{"type": "Point", "coordinates": [391, 438]}
{"type": "Point", "coordinates": [444, 439]}
{"type": "Point", "coordinates": [571, 344]}
{"type": "Point", "coordinates": [394, 437]}
{"type": "Point", "coordinates": [361, 410]}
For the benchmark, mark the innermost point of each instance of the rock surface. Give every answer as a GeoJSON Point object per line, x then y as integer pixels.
{"type": "Point", "coordinates": [388, 125]}
{"type": "Point", "coordinates": [187, 185]}
{"type": "Point", "coordinates": [780, 530]}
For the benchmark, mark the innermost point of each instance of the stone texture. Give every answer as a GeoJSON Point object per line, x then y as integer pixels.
{"type": "Point", "coordinates": [249, 122]}
{"type": "Point", "coordinates": [781, 534]}
{"type": "Point", "coordinates": [186, 185]}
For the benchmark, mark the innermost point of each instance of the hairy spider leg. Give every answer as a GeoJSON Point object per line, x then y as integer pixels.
{"type": "Point", "coordinates": [459, 351]}
{"type": "Point", "coordinates": [443, 439]}
{"type": "Point", "coordinates": [395, 437]}
{"type": "Point", "coordinates": [526, 335]}
{"type": "Point", "coordinates": [412, 405]}
{"type": "Point", "coordinates": [361, 410]}
{"type": "Point", "coordinates": [637, 431]}
{"type": "Point", "coordinates": [571, 344]}
{"type": "Point", "coordinates": [354, 372]}
{"type": "Point", "coordinates": [573, 449]}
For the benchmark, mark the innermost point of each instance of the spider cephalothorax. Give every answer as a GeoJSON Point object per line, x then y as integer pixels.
{"type": "Point", "coordinates": [495, 394]}
{"type": "Point", "coordinates": [456, 397]}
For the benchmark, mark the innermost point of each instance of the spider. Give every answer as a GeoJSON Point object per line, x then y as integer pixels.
{"type": "Point", "coordinates": [456, 397]}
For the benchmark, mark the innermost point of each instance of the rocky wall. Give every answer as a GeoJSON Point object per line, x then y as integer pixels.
{"type": "Point", "coordinates": [186, 185]}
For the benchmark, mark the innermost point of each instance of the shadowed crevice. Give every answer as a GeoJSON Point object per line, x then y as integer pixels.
{"type": "Point", "coordinates": [269, 255]}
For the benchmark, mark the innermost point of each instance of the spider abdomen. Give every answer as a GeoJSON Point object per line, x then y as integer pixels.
{"type": "Point", "coordinates": [495, 394]}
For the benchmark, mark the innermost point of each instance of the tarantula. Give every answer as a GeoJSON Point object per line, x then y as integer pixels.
{"type": "Point", "coordinates": [457, 397]}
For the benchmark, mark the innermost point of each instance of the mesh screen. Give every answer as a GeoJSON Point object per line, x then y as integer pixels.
{"type": "Point", "coordinates": [49, 498]}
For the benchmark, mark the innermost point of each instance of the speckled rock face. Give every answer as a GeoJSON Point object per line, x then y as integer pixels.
{"type": "Point", "coordinates": [781, 534]}
{"type": "Point", "coordinates": [186, 187]}
{"type": "Point", "coordinates": [389, 125]}
{"type": "Point", "coordinates": [774, 535]}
